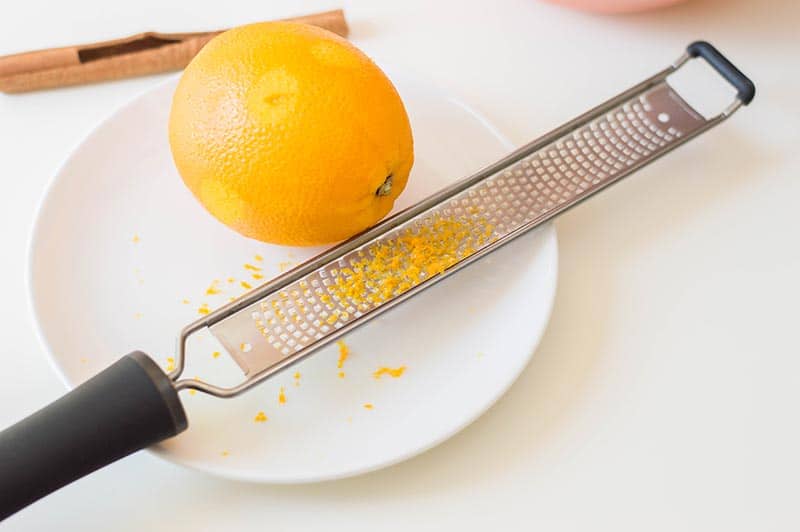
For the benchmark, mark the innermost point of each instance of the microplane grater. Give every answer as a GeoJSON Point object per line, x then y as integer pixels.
{"type": "Point", "coordinates": [288, 318]}
{"type": "Point", "coordinates": [133, 404]}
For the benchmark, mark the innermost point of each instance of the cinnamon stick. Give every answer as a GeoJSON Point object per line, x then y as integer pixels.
{"type": "Point", "coordinates": [138, 55]}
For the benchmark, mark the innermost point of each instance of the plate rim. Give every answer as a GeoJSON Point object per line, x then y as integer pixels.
{"type": "Point", "coordinates": [550, 244]}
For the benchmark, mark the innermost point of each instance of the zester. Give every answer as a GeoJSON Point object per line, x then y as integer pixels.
{"type": "Point", "coordinates": [134, 404]}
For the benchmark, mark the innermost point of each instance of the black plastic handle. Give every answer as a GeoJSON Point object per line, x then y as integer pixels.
{"type": "Point", "coordinates": [745, 89]}
{"type": "Point", "coordinates": [127, 407]}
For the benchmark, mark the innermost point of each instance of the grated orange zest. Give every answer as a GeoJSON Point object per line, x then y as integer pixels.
{"type": "Point", "coordinates": [394, 373]}
{"type": "Point", "coordinates": [213, 288]}
{"type": "Point", "coordinates": [344, 352]}
{"type": "Point", "coordinates": [398, 264]}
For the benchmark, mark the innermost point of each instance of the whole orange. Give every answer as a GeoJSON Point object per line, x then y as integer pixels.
{"type": "Point", "coordinates": [289, 134]}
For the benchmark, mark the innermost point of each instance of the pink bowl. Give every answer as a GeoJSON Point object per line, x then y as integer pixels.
{"type": "Point", "coordinates": [616, 6]}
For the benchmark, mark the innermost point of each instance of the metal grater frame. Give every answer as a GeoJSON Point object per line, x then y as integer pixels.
{"type": "Point", "coordinates": [288, 318]}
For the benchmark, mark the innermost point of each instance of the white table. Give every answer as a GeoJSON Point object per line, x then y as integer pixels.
{"type": "Point", "coordinates": [665, 394]}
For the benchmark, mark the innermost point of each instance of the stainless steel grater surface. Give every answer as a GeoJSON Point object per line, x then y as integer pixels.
{"type": "Point", "coordinates": [295, 314]}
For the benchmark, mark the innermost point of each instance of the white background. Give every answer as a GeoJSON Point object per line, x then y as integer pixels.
{"type": "Point", "coordinates": [665, 393]}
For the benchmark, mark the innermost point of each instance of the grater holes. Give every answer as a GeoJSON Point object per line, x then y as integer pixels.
{"type": "Point", "coordinates": [508, 200]}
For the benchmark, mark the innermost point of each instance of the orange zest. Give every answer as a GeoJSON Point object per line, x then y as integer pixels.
{"type": "Point", "coordinates": [394, 373]}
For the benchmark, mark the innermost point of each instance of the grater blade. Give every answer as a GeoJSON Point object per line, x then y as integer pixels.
{"type": "Point", "coordinates": [290, 317]}
{"type": "Point", "coordinates": [308, 310]}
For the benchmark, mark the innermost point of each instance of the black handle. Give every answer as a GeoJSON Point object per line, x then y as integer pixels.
{"type": "Point", "coordinates": [745, 89]}
{"type": "Point", "coordinates": [128, 406]}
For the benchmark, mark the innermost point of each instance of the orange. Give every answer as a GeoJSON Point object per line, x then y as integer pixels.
{"type": "Point", "coordinates": [289, 134]}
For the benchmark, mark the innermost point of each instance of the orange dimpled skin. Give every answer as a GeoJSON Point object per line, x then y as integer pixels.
{"type": "Point", "coordinates": [289, 134]}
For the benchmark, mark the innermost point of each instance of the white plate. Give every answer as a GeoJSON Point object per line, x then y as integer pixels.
{"type": "Point", "coordinates": [97, 295]}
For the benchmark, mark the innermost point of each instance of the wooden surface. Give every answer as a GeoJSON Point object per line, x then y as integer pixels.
{"type": "Point", "coordinates": [137, 55]}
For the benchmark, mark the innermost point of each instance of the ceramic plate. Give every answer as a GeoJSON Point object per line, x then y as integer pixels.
{"type": "Point", "coordinates": [122, 256]}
